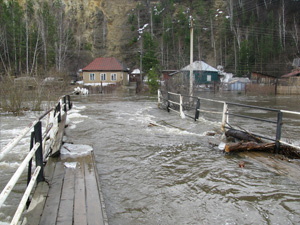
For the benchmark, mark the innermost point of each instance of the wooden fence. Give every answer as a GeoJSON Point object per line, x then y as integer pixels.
{"type": "Point", "coordinates": [289, 86]}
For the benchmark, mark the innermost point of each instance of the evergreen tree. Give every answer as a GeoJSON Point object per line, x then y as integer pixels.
{"type": "Point", "coordinates": [149, 60]}
{"type": "Point", "coordinates": [153, 80]}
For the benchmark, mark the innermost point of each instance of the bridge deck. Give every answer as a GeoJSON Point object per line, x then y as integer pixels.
{"type": "Point", "coordinates": [71, 194]}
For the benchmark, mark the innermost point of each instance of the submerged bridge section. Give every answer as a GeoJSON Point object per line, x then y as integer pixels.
{"type": "Point", "coordinates": [233, 116]}
{"type": "Point", "coordinates": [64, 188]}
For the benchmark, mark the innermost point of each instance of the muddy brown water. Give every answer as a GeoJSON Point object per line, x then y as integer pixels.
{"type": "Point", "coordinates": [172, 173]}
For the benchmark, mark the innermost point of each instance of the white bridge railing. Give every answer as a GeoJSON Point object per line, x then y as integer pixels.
{"type": "Point", "coordinates": [41, 145]}
{"type": "Point", "coordinates": [175, 102]}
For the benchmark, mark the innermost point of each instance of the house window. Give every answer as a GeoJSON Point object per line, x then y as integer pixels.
{"type": "Point", "coordinates": [113, 76]}
{"type": "Point", "coordinates": [208, 77]}
{"type": "Point", "coordinates": [103, 76]}
{"type": "Point", "coordinates": [92, 76]}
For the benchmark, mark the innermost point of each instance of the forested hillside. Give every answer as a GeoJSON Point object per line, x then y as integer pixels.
{"type": "Point", "coordinates": [42, 37]}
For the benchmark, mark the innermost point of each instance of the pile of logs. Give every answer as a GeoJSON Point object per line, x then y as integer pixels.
{"type": "Point", "coordinates": [248, 142]}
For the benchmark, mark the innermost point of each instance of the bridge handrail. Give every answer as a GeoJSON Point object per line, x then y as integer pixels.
{"type": "Point", "coordinates": [38, 138]}
{"type": "Point", "coordinates": [25, 197]}
{"type": "Point", "coordinates": [14, 179]}
{"type": "Point", "coordinates": [226, 114]}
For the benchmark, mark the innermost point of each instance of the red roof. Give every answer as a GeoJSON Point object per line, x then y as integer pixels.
{"type": "Point", "coordinates": [295, 73]}
{"type": "Point", "coordinates": [104, 64]}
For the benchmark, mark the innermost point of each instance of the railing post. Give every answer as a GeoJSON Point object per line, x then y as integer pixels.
{"type": "Point", "coordinates": [39, 151]}
{"type": "Point", "coordinates": [168, 102]}
{"type": "Point", "coordinates": [278, 131]}
{"type": "Point", "coordinates": [30, 162]}
{"type": "Point", "coordinates": [158, 98]}
{"type": "Point", "coordinates": [197, 109]}
{"type": "Point", "coordinates": [180, 107]}
{"type": "Point", "coordinates": [57, 110]}
{"type": "Point", "coordinates": [69, 102]}
{"type": "Point", "coordinates": [224, 116]}
{"type": "Point", "coordinates": [65, 103]}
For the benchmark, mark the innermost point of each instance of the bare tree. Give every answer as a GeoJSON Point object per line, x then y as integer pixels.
{"type": "Point", "coordinates": [212, 39]}
{"type": "Point", "coordinates": [3, 53]}
{"type": "Point", "coordinates": [34, 59]}
{"type": "Point", "coordinates": [295, 34]}
{"type": "Point", "coordinates": [282, 24]}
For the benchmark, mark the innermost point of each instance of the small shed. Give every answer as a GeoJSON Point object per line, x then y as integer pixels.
{"type": "Point", "coordinates": [204, 73]}
{"type": "Point", "coordinates": [238, 83]}
{"type": "Point", "coordinates": [135, 75]}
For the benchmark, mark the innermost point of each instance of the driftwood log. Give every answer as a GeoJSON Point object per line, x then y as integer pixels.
{"type": "Point", "coordinates": [249, 142]}
{"type": "Point", "coordinates": [249, 146]}
{"type": "Point", "coordinates": [242, 135]}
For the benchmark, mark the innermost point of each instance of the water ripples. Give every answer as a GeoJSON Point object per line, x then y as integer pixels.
{"type": "Point", "coordinates": [170, 174]}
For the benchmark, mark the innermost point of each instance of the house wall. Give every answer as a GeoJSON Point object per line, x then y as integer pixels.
{"type": "Point", "coordinates": [203, 77]}
{"type": "Point", "coordinates": [97, 77]}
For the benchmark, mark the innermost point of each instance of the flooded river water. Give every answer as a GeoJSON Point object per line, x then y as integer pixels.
{"type": "Point", "coordinates": [156, 168]}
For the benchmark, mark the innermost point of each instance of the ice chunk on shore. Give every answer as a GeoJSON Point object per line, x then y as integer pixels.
{"type": "Point", "coordinates": [75, 150]}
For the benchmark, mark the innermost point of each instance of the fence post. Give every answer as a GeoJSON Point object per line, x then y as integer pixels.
{"type": "Point", "coordinates": [197, 109]}
{"type": "Point", "coordinates": [39, 151]}
{"type": "Point", "coordinates": [224, 116]}
{"type": "Point", "coordinates": [278, 131]}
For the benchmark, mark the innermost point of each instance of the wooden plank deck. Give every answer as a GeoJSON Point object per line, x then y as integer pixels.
{"type": "Point", "coordinates": [69, 196]}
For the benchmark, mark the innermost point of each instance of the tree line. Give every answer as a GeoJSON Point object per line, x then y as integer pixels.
{"type": "Point", "coordinates": [35, 37]}
{"type": "Point", "coordinates": [241, 35]}
{"type": "Point", "coordinates": [41, 36]}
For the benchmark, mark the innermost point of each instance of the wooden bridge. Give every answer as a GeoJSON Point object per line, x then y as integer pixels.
{"type": "Point", "coordinates": [69, 195]}
{"type": "Point", "coordinates": [63, 190]}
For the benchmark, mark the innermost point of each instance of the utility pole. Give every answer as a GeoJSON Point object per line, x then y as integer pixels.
{"type": "Point", "coordinates": [191, 55]}
{"type": "Point", "coordinates": [141, 30]}
{"type": "Point", "coordinates": [141, 60]}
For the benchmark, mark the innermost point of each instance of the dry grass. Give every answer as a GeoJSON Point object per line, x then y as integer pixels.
{"type": "Point", "coordinates": [28, 94]}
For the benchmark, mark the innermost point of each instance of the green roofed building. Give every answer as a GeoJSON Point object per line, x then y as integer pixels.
{"type": "Point", "coordinates": [204, 73]}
